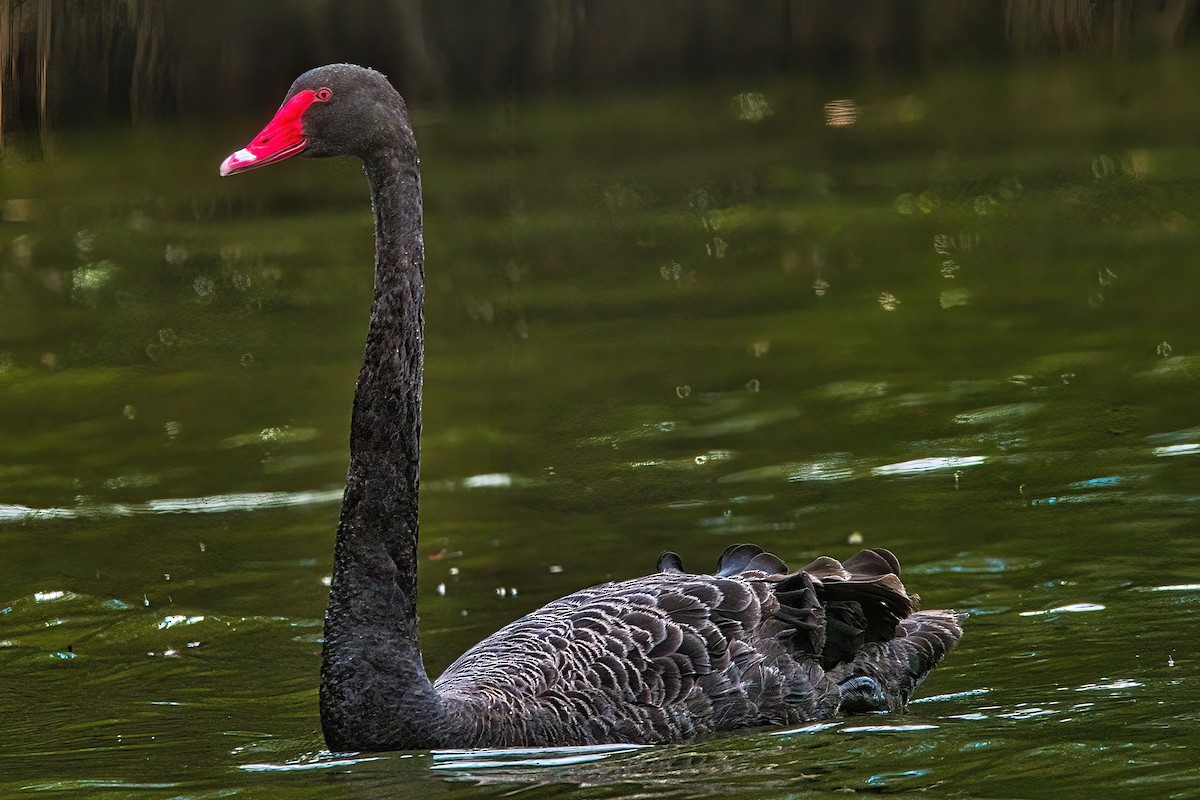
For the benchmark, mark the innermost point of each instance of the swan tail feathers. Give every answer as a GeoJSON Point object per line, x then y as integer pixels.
{"type": "Point", "coordinates": [884, 675]}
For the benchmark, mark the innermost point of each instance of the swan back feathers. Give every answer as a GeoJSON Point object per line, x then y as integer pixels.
{"type": "Point", "coordinates": [671, 655]}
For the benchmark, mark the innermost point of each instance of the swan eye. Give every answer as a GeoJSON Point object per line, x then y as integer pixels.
{"type": "Point", "coordinates": [323, 94]}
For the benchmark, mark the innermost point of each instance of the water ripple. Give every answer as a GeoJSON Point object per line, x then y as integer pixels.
{"type": "Point", "coordinates": [323, 761]}
{"type": "Point", "coordinates": [212, 504]}
{"type": "Point", "coordinates": [1068, 609]}
{"type": "Point", "coordinates": [527, 756]}
{"type": "Point", "coordinates": [920, 465]}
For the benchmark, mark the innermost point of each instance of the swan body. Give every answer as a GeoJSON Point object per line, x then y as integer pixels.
{"type": "Point", "coordinates": [660, 658]}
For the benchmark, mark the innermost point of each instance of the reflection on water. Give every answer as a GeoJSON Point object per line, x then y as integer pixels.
{"type": "Point", "coordinates": [964, 334]}
{"type": "Point", "coordinates": [244, 501]}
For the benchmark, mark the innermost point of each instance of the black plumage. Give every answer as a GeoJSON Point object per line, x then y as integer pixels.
{"type": "Point", "coordinates": [673, 654]}
{"type": "Point", "coordinates": [659, 658]}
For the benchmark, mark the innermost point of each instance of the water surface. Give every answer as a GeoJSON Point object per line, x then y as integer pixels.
{"type": "Point", "coordinates": [954, 317]}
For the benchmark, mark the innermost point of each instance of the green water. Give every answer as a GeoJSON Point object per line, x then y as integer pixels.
{"type": "Point", "coordinates": [963, 327]}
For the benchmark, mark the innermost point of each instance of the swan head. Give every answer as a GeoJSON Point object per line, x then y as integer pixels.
{"type": "Point", "coordinates": [339, 109]}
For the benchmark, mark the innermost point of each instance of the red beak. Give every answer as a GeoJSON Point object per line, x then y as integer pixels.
{"type": "Point", "coordinates": [282, 138]}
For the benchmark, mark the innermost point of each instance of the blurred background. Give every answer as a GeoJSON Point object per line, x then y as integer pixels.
{"type": "Point", "coordinates": [918, 275]}
{"type": "Point", "coordinates": [76, 62]}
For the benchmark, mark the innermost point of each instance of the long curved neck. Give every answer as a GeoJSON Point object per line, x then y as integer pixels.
{"type": "Point", "coordinates": [374, 691]}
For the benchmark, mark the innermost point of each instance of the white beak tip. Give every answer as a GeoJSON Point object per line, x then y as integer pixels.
{"type": "Point", "coordinates": [236, 161]}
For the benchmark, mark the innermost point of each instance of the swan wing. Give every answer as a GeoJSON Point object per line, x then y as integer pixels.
{"type": "Point", "coordinates": [672, 654]}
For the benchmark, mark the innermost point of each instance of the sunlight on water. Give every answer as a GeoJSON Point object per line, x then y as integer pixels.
{"type": "Point", "coordinates": [938, 698]}
{"type": "Point", "coordinates": [996, 414]}
{"type": "Point", "coordinates": [1177, 450]}
{"type": "Point", "coordinates": [1068, 609]}
{"type": "Point", "coordinates": [815, 727]}
{"type": "Point", "coordinates": [887, 728]}
{"type": "Point", "coordinates": [215, 504]}
{"type": "Point", "coordinates": [921, 465]}
{"type": "Point", "coordinates": [525, 757]}
{"type": "Point", "coordinates": [318, 762]}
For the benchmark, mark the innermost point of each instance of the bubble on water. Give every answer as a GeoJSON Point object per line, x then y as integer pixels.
{"type": "Point", "coordinates": [671, 271]}
{"type": "Point", "coordinates": [1163, 349]}
{"type": "Point", "coordinates": [49, 359]}
{"type": "Point", "coordinates": [175, 254]}
{"type": "Point", "coordinates": [888, 301]}
{"type": "Point", "coordinates": [1137, 164]}
{"type": "Point", "coordinates": [760, 348]}
{"type": "Point", "coordinates": [85, 243]}
{"type": "Point", "coordinates": [699, 200]}
{"type": "Point", "coordinates": [683, 391]}
{"type": "Point", "coordinates": [753, 385]}
{"type": "Point", "coordinates": [1103, 167]}
{"type": "Point", "coordinates": [1171, 660]}
{"type": "Point", "coordinates": [906, 204]}
{"type": "Point", "coordinates": [271, 434]}
{"type": "Point", "coordinates": [927, 202]}
{"type": "Point", "coordinates": [951, 298]}
{"type": "Point", "coordinates": [717, 248]}
{"type": "Point", "coordinates": [841, 113]}
{"type": "Point", "coordinates": [820, 286]}
{"type": "Point", "coordinates": [441, 589]}
{"type": "Point", "coordinates": [129, 412]}
{"type": "Point", "coordinates": [985, 204]}
{"type": "Point", "coordinates": [855, 537]}
{"type": "Point", "coordinates": [204, 287]}
{"type": "Point", "coordinates": [86, 282]}
{"type": "Point", "coordinates": [168, 337]}
{"type": "Point", "coordinates": [453, 570]}
{"type": "Point", "coordinates": [950, 268]}
{"type": "Point", "coordinates": [247, 359]}
{"type": "Point", "coordinates": [173, 428]}
{"type": "Point", "coordinates": [752, 106]}
{"type": "Point", "coordinates": [944, 244]}
{"type": "Point", "coordinates": [556, 569]}
{"type": "Point", "coordinates": [712, 457]}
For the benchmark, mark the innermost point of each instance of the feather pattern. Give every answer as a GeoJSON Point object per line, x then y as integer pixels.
{"type": "Point", "coordinates": [654, 659]}
{"type": "Point", "coordinates": [671, 655]}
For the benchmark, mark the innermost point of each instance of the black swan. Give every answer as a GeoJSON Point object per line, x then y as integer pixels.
{"type": "Point", "coordinates": [654, 659]}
